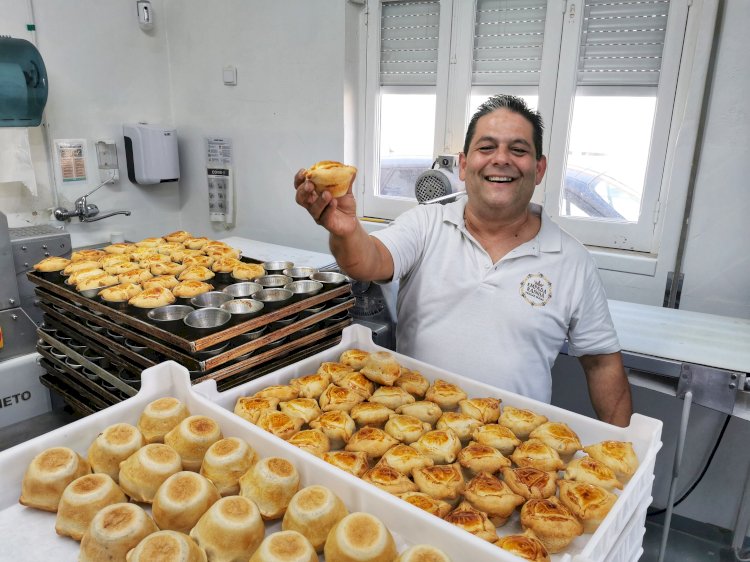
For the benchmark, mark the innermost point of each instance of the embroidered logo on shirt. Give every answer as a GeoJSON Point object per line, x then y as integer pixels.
{"type": "Point", "coordinates": [536, 289]}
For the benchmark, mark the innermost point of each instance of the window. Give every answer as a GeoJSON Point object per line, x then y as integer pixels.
{"type": "Point", "coordinates": [592, 68]}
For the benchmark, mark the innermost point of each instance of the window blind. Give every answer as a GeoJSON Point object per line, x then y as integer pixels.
{"type": "Point", "coordinates": [622, 42]}
{"type": "Point", "coordinates": [508, 39]}
{"type": "Point", "coordinates": [409, 42]}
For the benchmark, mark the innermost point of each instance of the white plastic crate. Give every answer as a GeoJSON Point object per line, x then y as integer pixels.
{"type": "Point", "coordinates": [629, 547]}
{"type": "Point", "coordinates": [643, 432]}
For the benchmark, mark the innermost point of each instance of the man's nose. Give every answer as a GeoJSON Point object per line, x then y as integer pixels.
{"type": "Point", "coordinates": [501, 156]}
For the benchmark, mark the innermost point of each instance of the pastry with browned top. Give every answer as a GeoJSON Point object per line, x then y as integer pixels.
{"type": "Point", "coordinates": [152, 298]}
{"type": "Point", "coordinates": [588, 502]}
{"type": "Point", "coordinates": [47, 476]}
{"type": "Point", "coordinates": [526, 546]}
{"type": "Point", "coordinates": [470, 519]}
{"type": "Point", "coordinates": [331, 176]}
{"type": "Point", "coordinates": [51, 264]}
{"type": "Point", "coordinates": [530, 482]}
{"type": "Point", "coordinates": [552, 523]}
{"type": "Point", "coordinates": [270, 483]}
{"type": "Point", "coordinates": [492, 496]}
{"type": "Point", "coordinates": [313, 512]}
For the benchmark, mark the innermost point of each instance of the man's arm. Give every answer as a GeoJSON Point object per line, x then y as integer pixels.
{"type": "Point", "coordinates": [609, 388]}
{"type": "Point", "coordinates": [360, 255]}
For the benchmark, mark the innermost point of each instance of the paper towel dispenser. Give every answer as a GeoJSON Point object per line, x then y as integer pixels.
{"type": "Point", "coordinates": [23, 83]}
{"type": "Point", "coordinates": [151, 154]}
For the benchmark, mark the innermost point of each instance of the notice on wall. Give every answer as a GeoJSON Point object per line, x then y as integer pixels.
{"type": "Point", "coordinates": [71, 160]}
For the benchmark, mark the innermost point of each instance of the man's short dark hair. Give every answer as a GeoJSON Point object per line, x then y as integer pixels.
{"type": "Point", "coordinates": [514, 104]}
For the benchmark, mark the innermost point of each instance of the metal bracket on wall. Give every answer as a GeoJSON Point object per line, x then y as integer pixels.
{"type": "Point", "coordinates": [677, 288]}
{"type": "Point", "coordinates": [713, 388]}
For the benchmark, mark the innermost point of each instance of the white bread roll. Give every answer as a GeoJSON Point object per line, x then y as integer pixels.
{"type": "Point", "coordinates": [313, 512]}
{"type": "Point", "coordinates": [225, 461]}
{"type": "Point", "coordinates": [230, 531]}
{"type": "Point", "coordinates": [114, 531]}
{"type": "Point", "coordinates": [112, 446]}
{"type": "Point", "coordinates": [167, 546]}
{"type": "Point", "coordinates": [328, 175]}
{"type": "Point", "coordinates": [270, 483]}
{"type": "Point", "coordinates": [285, 546]}
{"type": "Point", "coordinates": [48, 475]}
{"type": "Point", "coordinates": [81, 500]}
{"type": "Point", "coordinates": [182, 500]}
{"type": "Point", "coordinates": [360, 537]}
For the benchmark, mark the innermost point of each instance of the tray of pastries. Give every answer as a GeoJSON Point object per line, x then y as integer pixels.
{"type": "Point", "coordinates": [506, 470]}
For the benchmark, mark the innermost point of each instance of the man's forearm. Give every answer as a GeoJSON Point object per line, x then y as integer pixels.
{"type": "Point", "coordinates": [609, 388]}
{"type": "Point", "coordinates": [361, 256]}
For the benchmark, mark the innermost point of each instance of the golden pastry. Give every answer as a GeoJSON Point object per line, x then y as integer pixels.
{"type": "Point", "coordinates": [181, 501]}
{"type": "Point", "coordinates": [425, 410]}
{"type": "Point", "coordinates": [152, 298]}
{"type": "Point", "coordinates": [355, 358]}
{"type": "Point", "coordinates": [168, 247]}
{"type": "Point", "coordinates": [472, 520]}
{"type": "Point", "coordinates": [445, 394]}
{"type": "Point", "coordinates": [112, 259]}
{"type": "Point", "coordinates": [148, 261]}
{"type": "Point", "coordinates": [492, 496]}
{"type": "Point", "coordinates": [552, 523]}
{"type": "Point", "coordinates": [190, 289]}
{"type": "Point", "coordinates": [285, 546]}
{"type": "Point", "coordinates": [441, 445]}
{"type": "Point", "coordinates": [112, 446]}
{"type": "Point", "coordinates": [427, 503]}
{"type": "Point", "coordinates": [405, 458]}
{"type": "Point", "coordinates": [370, 414]}
{"type": "Point", "coordinates": [250, 407]}
{"type": "Point", "coordinates": [137, 275]}
{"type": "Point", "coordinates": [171, 546]}
{"type": "Point", "coordinates": [389, 479]}
{"type": "Point", "coordinates": [137, 254]}
{"type": "Point", "coordinates": [52, 264]}
{"type": "Point", "coordinates": [119, 248]}
{"type": "Point", "coordinates": [560, 437]}
{"type": "Point", "coordinates": [187, 261]}
{"type": "Point", "coordinates": [166, 281]}
{"type": "Point", "coordinates": [617, 455]}
{"type": "Point", "coordinates": [338, 398]}
{"type": "Point", "coordinates": [392, 397]}
{"type": "Point", "coordinates": [337, 425]}
{"type": "Point", "coordinates": [334, 370]}
{"type": "Point", "coordinates": [170, 268]}
{"type": "Point", "coordinates": [247, 271]}
{"type": "Point", "coordinates": [486, 410]}
{"type": "Point", "coordinates": [221, 251]}
{"type": "Point", "coordinates": [81, 275]}
{"type": "Point", "coordinates": [406, 429]}
{"type": "Point", "coordinates": [423, 553]}
{"type": "Point", "coordinates": [497, 436]}
{"type": "Point", "coordinates": [331, 176]}
{"type": "Point", "coordinates": [114, 531]}
{"type": "Point", "coordinates": [280, 424]}
{"type": "Point", "coordinates": [357, 382]}
{"type": "Point", "coordinates": [477, 458]}
{"type": "Point", "coordinates": [231, 530]}
{"type": "Point", "coordinates": [121, 267]}
{"type": "Point", "coordinates": [180, 255]}
{"type": "Point", "coordinates": [191, 438]}
{"type": "Point", "coordinates": [360, 537]}
{"type": "Point", "coordinates": [529, 482]}
{"type": "Point", "coordinates": [526, 546]}
{"type": "Point", "coordinates": [225, 265]}
{"type": "Point", "coordinates": [521, 422]}
{"type": "Point", "coordinates": [462, 425]}
{"type": "Point", "coordinates": [270, 483]}
{"type": "Point", "coordinates": [372, 441]}
{"type": "Point", "coordinates": [87, 254]}
{"type": "Point", "coordinates": [160, 416]}
{"type": "Point", "coordinates": [588, 502]}
{"type": "Point", "coordinates": [281, 391]}
{"type": "Point", "coordinates": [178, 236]}
{"type": "Point", "coordinates": [353, 463]}
{"type": "Point", "coordinates": [442, 482]}
{"type": "Point", "coordinates": [537, 454]}
{"type": "Point", "coordinates": [120, 293]}
{"type": "Point", "coordinates": [144, 471]}
{"type": "Point", "coordinates": [381, 367]}
{"type": "Point", "coordinates": [225, 461]}
{"type": "Point", "coordinates": [313, 441]}
{"type": "Point", "coordinates": [73, 266]}
{"type": "Point", "coordinates": [81, 500]}
{"type": "Point", "coordinates": [196, 273]}
{"type": "Point", "coordinates": [97, 282]}
{"type": "Point", "coordinates": [313, 512]}
{"type": "Point", "coordinates": [47, 476]}
{"type": "Point", "coordinates": [150, 242]}
{"type": "Point", "coordinates": [305, 408]}
{"type": "Point", "coordinates": [311, 386]}
{"type": "Point", "coordinates": [195, 243]}
{"type": "Point", "coordinates": [412, 382]}
{"type": "Point", "coordinates": [591, 471]}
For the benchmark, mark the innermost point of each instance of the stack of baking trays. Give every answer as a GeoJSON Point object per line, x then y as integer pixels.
{"type": "Point", "coordinates": [93, 351]}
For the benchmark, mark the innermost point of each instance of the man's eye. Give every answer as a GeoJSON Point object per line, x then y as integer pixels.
{"type": "Point", "coordinates": [486, 148]}
{"type": "Point", "coordinates": [519, 151]}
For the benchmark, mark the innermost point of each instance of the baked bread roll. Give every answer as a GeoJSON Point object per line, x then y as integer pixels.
{"type": "Point", "coordinates": [47, 476]}
{"type": "Point", "coordinates": [167, 546]}
{"type": "Point", "coordinates": [230, 531]}
{"type": "Point", "coordinates": [160, 416]}
{"type": "Point", "coordinates": [182, 500]}
{"type": "Point", "coordinates": [331, 176]}
{"type": "Point", "coordinates": [137, 254]}
{"type": "Point", "coordinates": [51, 264]}
{"type": "Point", "coordinates": [357, 382]}
{"type": "Point", "coordinates": [97, 282]}
{"type": "Point", "coordinates": [305, 408]}
{"type": "Point", "coordinates": [372, 441]}
{"type": "Point", "coordinates": [119, 248]}
{"type": "Point", "coordinates": [221, 251]}
{"type": "Point", "coordinates": [462, 425]}
{"type": "Point", "coordinates": [477, 458]}
{"type": "Point", "coordinates": [486, 410]}
{"type": "Point", "coordinates": [150, 260]}
{"type": "Point", "coordinates": [405, 458]}
{"type": "Point", "coordinates": [423, 553]}
{"type": "Point", "coordinates": [521, 422]}
{"type": "Point", "coordinates": [247, 271]}
{"type": "Point", "coordinates": [73, 266]}
{"type": "Point", "coordinates": [87, 254]}
{"type": "Point", "coordinates": [497, 436]}
{"type": "Point", "coordinates": [425, 410]}
{"type": "Point", "coordinates": [205, 261]}
{"type": "Point", "coordinates": [114, 531]}
{"type": "Point", "coordinates": [250, 407]}
{"type": "Point", "coordinates": [337, 425]}
{"type": "Point", "coordinates": [270, 483]}
{"type": "Point", "coordinates": [591, 471]}
{"type": "Point", "coordinates": [537, 454]}
{"type": "Point", "coordinates": [166, 281]}
{"type": "Point", "coordinates": [442, 482]}
{"type": "Point", "coordinates": [389, 479]}
{"type": "Point", "coordinates": [180, 255]}
{"type": "Point", "coordinates": [530, 482]}
{"type": "Point", "coordinates": [381, 367]}
{"type": "Point", "coordinates": [177, 236]}
{"type": "Point", "coordinates": [334, 370]}
{"type": "Point", "coordinates": [617, 455]}
{"type": "Point", "coordinates": [560, 437]}
{"type": "Point", "coordinates": [444, 394]}
{"type": "Point", "coordinates": [120, 293]}
{"type": "Point", "coordinates": [191, 438]}
{"type": "Point", "coordinates": [338, 398]}
{"type": "Point", "coordinates": [280, 424]}
{"type": "Point", "coordinates": [392, 397]}
{"type": "Point", "coordinates": [81, 275]}
{"type": "Point", "coordinates": [144, 471]}
{"type": "Point", "coordinates": [312, 512]}
{"type": "Point", "coordinates": [353, 463]}
{"type": "Point", "coordinates": [196, 273]}
{"type": "Point", "coordinates": [281, 391]}
{"type": "Point", "coordinates": [492, 496]}
{"type": "Point", "coordinates": [285, 546]}
{"type": "Point", "coordinates": [152, 298]}
{"type": "Point", "coordinates": [406, 429]}
{"type": "Point", "coordinates": [370, 414]}
{"type": "Point", "coordinates": [311, 386]}
{"type": "Point", "coordinates": [472, 520]}
{"type": "Point", "coordinates": [112, 446]}
{"type": "Point", "coordinates": [168, 247]}
{"type": "Point", "coordinates": [152, 242]}
{"type": "Point", "coordinates": [190, 289]}
{"type": "Point", "coordinates": [137, 275]}
{"type": "Point", "coordinates": [109, 260]}
{"type": "Point", "coordinates": [225, 461]}
{"type": "Point", "coordinates": [355, 358]}
{"type": "Point", "coordinates": [412, 382]}
{"type": "Point", "coordinates": [588, 502]}
{"type": "Point", "coordinates": [81, 500]}
{"type": "Point", "coordinates": [427, 503]}
{"type": "Point", "coordinates": [441, 445]}
{"type": "Point", "coordinates": [313, 441]}
{"type": "Point", "coordinates": [170, 268]}
{"type": "Point", "coordinates": [195, 243]}
{"type": "Point", "coordinates": [526, 546]}
{"type": "Point", "coordinates": [225, 265]}
{"type": "Point", "coordinates": [360, 537]}
{"type": "Point", "coordinates": [121, 267]}
{"type": "Point", "coordinates": [551, 522]}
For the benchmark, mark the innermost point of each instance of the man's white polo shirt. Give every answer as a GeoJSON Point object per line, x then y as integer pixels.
{"type": "Point", "coordinates": [501, 323]}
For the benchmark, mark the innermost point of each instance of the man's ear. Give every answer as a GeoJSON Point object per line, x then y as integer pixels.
{"type": "Point", "coordinates": [541, 168]}
{"type": "Point", "coordinates": [461, 166]}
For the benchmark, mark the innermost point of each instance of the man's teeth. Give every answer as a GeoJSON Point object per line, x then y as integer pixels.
{"type": "Point", "coordinates": [499, 179]}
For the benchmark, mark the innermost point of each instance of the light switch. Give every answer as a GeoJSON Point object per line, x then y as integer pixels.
{"type": "Point", "coordinates": [230, 76]}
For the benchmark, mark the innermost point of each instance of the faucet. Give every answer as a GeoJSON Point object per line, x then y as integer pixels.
{"type": "Point", "coordinates": [85, 211]}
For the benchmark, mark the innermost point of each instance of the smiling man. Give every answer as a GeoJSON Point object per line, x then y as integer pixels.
{"type": "Point", "coordinates": [490, 288]}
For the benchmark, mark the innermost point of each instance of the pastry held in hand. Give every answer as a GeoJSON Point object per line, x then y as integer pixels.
{"type": "Point", "coordinates": [328, 175]}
